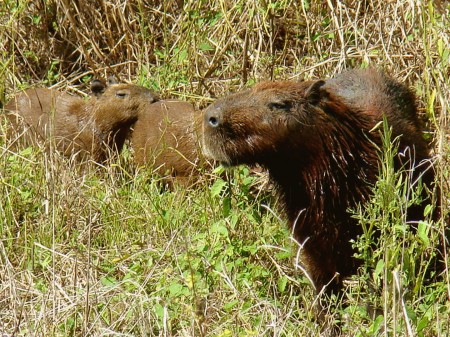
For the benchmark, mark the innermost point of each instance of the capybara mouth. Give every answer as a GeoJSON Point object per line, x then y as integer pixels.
{"type": "Point", "coordinates": [212, 150]}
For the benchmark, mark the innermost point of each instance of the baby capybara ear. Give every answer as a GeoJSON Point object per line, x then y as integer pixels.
{"type": "Point", "coordinates": [112, 80]}
{"type": "Point", "coordinates": [97, 87]}
{"type": "Point", "coordinates": [315, 92]}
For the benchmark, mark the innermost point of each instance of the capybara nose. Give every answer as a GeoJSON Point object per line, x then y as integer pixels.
{"type": "Point", "coordinates": [213, 117]}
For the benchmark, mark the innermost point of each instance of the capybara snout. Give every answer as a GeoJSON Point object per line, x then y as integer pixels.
{"type": "Point", "coordinates": [213, 117]}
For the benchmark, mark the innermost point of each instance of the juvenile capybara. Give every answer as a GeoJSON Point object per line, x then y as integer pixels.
{"type": "Point", "coordinates": [76, 126]}
{"type": "Point", "coordinates": [317, 141]}
{"type": "Point", "coordinates": [165, 138]}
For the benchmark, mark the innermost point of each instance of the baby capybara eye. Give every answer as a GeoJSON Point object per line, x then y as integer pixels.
{"type": "Point", "coordinates": [122, 94]}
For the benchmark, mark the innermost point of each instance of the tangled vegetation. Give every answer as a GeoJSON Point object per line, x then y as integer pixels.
{"type": "Point", "coordinates": [106, 251]}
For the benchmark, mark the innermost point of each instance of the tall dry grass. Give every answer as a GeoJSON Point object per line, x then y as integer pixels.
{"type": "Point", "coordinates": [102, 251]}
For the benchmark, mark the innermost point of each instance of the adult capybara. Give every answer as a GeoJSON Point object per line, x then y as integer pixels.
{"type": "Point", "coordinates": [165, 138]}
{"type": "Point", "coordinates": [75, 126]}
{"type": "Point", "coordinates": [317, 141]}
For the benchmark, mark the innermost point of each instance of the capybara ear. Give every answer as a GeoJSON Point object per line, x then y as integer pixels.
{"type": "Point", "coordinates": [314, 93]}
{"type": "Point", "coordinates": [97, 87]}
{"type": "Point", "coordinates": [112, 80]}
{"type": "Point", "coordinates": [154, 97]}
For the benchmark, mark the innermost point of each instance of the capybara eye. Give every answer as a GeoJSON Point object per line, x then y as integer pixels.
{"type": "Point", "coordinates": [285, 105]}
{"type": "Point", "coordinates": [121, 94]}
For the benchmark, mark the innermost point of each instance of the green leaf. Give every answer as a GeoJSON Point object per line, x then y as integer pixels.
{"type": "Point", "coordinates": [378, 269]}
{"type": "Point", "coordinates": [217, 187]}
{"type": "Point", "coordinates": [182, 55]}
{"type": "Point", "coordinates": [423, 323]}
{"type": "Point", "coordinates": [226, 206]}
{"type": "Point", "coordinates": [281, 283]}
{"type": "Point", "coordinates": [159, 310]}
{"type": "Point", "coordinates": [428, 209]}
{"type": "Point", "coordinates": [219, 170]}
{"type": "Point", "coordinates": [108, 281]}
{"type": "Point", "coordinates": [376, 325]}
{"type": "Point", "coordinates": [219, 228]}
{"type": "Point", "coordinates": [175, 289]}
{"type": "Point", "coordinates": [26, 152]}
{"type": "Point", "coordinates": [205, 46]}
{"type": "Point", "coordinates": [422, 232]}
{"type": "Point", "coordinates": [230, 305]}
{"type": "Point", "coordinates": [281, 255]}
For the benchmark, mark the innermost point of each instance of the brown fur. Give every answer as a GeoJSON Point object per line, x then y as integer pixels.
{"type": "Point", "coordinates": [165, 138]}
{"type": "Point", "coordinates": [74, 125]}
{"type": "Point", "coordinates": [316, 140]}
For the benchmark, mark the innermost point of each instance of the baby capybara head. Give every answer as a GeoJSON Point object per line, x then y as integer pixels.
{"type": "Point", "coordinates": [128, 96]}
{"type": "Point", "coordinates": [119, 102]}
{"type": "Point", "coordinates": [117, 107]}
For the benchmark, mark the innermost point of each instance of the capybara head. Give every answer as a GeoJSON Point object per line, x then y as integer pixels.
{"type": "Point", "coordinates": [264, 124]}
{"type": "Point", "coordinates": [117, 107]}
{"type": "Point", "coordinates": [318, 142]}
{"type": "Point", "coordinates": [122, 102]}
